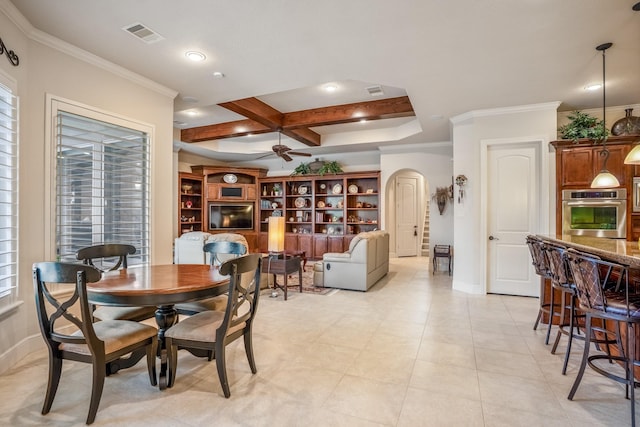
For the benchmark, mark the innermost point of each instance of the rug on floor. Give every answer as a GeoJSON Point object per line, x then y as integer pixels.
{"type": "Point", "coordinates": [307, 283]}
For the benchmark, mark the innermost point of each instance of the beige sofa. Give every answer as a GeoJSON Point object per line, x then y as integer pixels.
{"type": "Point", "coordinates": [188, 247]}
{"type": "Point", "coordinates": [188, 250]}
{"type": "Point", "coordinates": [366, 262]}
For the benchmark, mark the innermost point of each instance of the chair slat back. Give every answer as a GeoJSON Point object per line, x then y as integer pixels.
{"type": "Point", "coordinates": [109, 253]}
{"type": "Point", "coordinates": [229, 248]}
{"type": "Point", "coordinates": [558, 267]}
{"type": "Point", "coordinates": [591, 276]}
{"type": "Point", "coordinates": [50, 310]}
{"type": "Point", "coordinates": [244, 291]}
{"type": "Point", "coordinates": [537, 255]}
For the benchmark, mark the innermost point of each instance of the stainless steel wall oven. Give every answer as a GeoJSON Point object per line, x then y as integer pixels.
{"type": "Point", "coordinates": [595, 212]}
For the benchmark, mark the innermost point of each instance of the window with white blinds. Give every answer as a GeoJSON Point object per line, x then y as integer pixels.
{"type": "Point", "coordinates": [102, 186]}
{"type": "Point", "coordinates": [8, 190]}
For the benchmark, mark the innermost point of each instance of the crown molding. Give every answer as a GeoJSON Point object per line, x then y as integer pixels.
{"type": "Point", "coordinates": [504, 110]}
{"type": "Point", "coordinates": [36, 35]}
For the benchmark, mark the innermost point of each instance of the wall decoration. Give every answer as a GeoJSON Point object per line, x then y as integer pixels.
{"type": "Point", "coordinates": [461, 180]}
{"type": "Point", "coordinates": [441, 197]}
{"type": "Point", "coordinates": [11, 55]}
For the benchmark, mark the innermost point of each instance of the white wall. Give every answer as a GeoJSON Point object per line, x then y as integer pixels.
{"type": "Point", "coordinates": [433, 162]}
{"type": "Point", "coordinates": [533, 122]}
{"type": "Point", "coordinates": [75, 76]}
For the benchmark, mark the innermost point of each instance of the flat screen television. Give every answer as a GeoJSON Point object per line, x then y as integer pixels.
{"type": "Point", "coordinates": [236, 216]}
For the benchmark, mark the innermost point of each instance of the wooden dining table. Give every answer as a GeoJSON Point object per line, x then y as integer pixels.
{"type": "Point", "coordinates": [161, 286]}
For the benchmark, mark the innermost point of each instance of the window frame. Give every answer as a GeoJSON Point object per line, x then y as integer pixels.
{"type": "Point", "coordinates": [56, 104]}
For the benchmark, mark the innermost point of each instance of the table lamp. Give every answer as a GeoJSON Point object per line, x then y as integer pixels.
{"type": "Point", "coordinates": [276, 235]}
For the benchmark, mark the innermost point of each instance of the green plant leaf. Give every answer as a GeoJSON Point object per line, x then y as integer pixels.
{"type": "Point", "coordinates": [583, 126]}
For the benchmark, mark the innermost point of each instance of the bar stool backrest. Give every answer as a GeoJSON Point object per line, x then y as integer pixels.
{"type": "Point", "coordinates": [540, 262]}
{"type": "Point", "coordinates": [558, 267]}
{"type": "Point", "coordinates": [591, 276]}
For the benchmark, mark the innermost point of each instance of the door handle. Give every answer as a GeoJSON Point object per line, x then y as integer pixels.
{"type": "Point", "coordinates": [493, 238]}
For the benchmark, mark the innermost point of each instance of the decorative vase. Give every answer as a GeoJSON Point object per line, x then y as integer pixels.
{"type": "Point", "coordinates": [628, 125]}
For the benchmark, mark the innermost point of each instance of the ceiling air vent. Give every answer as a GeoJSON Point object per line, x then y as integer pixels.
{"type": "Point", "coordinates": [145, 34]}
{"type": "Point", "coordinates": [375, 90]}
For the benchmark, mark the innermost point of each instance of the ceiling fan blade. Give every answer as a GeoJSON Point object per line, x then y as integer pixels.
{"type": "Point", "coordinates": [286, 157]}
{"type": "Point", "coordinates": [280, 148]}
{"type": "Point", "coordinates": [295, 153]}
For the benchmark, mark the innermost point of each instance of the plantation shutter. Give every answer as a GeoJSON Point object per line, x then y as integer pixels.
{"type": "Point", "coordinates": [102, 186]}
{"type": "Point", "coordinates": [8, 190]}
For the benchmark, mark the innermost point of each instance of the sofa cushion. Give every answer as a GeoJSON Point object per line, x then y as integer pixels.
{"type": "Point", "coordinates": [195, 235]}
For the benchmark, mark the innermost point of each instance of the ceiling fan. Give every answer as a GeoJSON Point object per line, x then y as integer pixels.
{"type": "Point", "coordinates": [285, 152]}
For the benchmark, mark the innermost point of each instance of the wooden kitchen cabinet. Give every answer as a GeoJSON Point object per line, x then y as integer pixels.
{"type": "Point", "coordinates": [578, 163]}
{"type": "Point", "coordinates": [578, 166]}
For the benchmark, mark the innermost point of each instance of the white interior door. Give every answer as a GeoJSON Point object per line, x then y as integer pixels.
{"type": "Point", "coordinates": [512, 213]}
{"type": "Point", "coordinates": [407, 216]}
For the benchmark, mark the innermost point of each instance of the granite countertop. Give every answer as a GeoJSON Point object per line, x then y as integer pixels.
{"type": "Point", "coordinates": [617, 250]}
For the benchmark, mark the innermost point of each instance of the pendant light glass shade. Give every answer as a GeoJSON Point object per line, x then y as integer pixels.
{"type": "Point", "coordinates": [605, 179]}
{"type": "Point", "coordinates": [633, 158]}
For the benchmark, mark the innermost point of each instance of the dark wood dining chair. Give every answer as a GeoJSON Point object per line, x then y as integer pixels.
{"type": "Point", "coordinates": [218, 253]}
{"type": "Point", "coordinates": [604, 295]}
{"type": "Point", "coordinates": [214, 330]}
{"type": "Point", "coordinates": [95, 343]}
{"type": "Point", "coordinates": [110, 257]}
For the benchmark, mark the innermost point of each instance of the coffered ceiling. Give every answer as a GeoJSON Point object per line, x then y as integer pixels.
{"type": "Point", "coordinates": [444, 58]}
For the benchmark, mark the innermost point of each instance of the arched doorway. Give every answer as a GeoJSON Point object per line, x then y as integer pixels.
{"type": "Point", "coordinates": [407, 219]}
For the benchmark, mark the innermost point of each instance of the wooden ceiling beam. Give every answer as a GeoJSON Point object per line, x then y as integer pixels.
{"type": "Point", "coordinates": [254, 109]}
{"type": "Point", "coordinates": [303, 135]}
{"type": "Point", "coordinates": [371, 110]}
{"type": "Point", "coordinates": [263, 118]}
{"type": "Point", "coordinates": [223, 130]}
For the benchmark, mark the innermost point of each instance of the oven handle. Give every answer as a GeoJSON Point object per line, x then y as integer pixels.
{"type": "Point", "coordinates": [595, 203]}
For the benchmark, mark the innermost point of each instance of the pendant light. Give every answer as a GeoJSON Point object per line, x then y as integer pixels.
{"type": "Point", "coordinates": [633, 158]}
{"type": "Point", "coordinates": [604, 179]}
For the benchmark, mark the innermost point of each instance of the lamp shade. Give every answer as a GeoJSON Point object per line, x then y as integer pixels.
{"type": "Point", "coordinates": [276, 234]}
{"type": "Point", "coordinates": [633, 158]}
{"type": "Point", "coordinates": [605, 179]}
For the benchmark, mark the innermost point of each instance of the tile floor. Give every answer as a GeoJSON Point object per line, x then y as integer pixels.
{"type": "Point", "coordinates": [409, 352]}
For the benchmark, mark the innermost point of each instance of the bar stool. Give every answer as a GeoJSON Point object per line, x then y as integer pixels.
{"type": "Point", "coordinates": [598, 300]}
{"type": "Point", "coordinates": [562, 281]}
{"type": "Point", "coordinates": [541, 265]}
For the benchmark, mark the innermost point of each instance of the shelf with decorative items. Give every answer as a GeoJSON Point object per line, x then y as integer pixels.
{"type": "Point", "coordinates": [362, 204]}
{"type": "Point", "coordinates": [272, 201]}
{"type": "Point", "coordinates": [319, 206]}
{"type": "Point", "coordinates": [190, 204]}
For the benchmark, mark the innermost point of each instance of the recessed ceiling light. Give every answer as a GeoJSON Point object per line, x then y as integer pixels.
{"type": "Point", "coordinates": [593, 86]}
{"type": "Point", "coordinates": [195, 56]}
{"type": "Point", "coordinates": [218, 74]}
{"type": "Point", "coordinates": [189, 99]}
{"type": "Point", "coordinates": [330, 87]}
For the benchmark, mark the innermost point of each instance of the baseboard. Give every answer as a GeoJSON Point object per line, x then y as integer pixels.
{"type": "Point", "coordinates": [18, 352]}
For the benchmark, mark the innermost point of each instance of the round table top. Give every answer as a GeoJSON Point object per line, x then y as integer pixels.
{"type": "Point", "coordinates": [157, 285]}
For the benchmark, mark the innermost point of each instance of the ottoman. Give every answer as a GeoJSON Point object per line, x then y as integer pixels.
{"type": "Point", "coordinates": [318, 274]}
